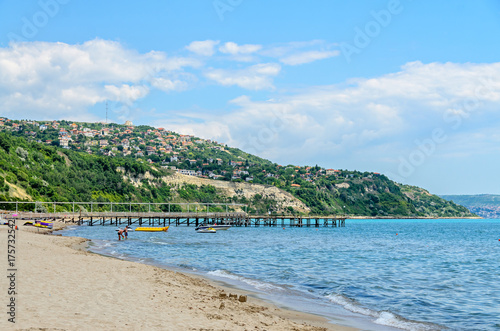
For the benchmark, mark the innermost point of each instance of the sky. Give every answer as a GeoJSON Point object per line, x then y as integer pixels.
{"type": "Point", "coordinates": [410, 89]}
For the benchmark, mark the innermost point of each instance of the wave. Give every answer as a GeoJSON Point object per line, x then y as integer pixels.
{"type": "Point", "coordinates": [259, 285]}
{"type": "Point", "coordinates": [98, 246]}
{"type": "Point", "coordinates": [383, 317]}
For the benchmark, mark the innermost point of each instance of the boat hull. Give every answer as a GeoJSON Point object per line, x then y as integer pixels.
{"type": "Point", "coordinates": [151, 229]}
{"type": "Point", "coordinates": [215, 227]}
{"type": "Point", "coordinates": [206, 231]}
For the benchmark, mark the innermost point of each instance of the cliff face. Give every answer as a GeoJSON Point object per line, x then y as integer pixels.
{"type": "Point", "coordinates": [240, 189]}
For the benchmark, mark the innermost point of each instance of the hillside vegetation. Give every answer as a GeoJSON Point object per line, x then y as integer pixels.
{"type": "Point", "coordinates": [119, 163]}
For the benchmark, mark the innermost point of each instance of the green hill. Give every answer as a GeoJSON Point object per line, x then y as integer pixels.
{"type": "Point", "coordinates": [66, 161]}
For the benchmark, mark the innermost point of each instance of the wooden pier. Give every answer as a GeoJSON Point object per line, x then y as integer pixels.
{"type": "Point", "coordinates": [237, 219]}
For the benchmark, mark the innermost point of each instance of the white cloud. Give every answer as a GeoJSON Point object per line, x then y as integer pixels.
{"type": "Point", "coordinates": [235, 49]}
{"type": "Point", "coordinates": [307, 57]}
{"type": "Point", "coordinates": [256, 77]}
{"type": "Point", "coordinates": [125, 92]}
{"type": "Point", "coordinates": [57, 79]}
{"type": "Point", "coordinates": [204, 48]}
{"type": "Point", "coordinates": [301, 52]}
{"type": "Point", "coordinates": [369, 121]}
{"type": "Point", "coordinates": [166, 85]}
{"type": "Point", "coordinates": [284, 49]}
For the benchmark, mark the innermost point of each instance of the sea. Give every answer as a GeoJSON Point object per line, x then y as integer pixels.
{"type": "Point", "coordinates": [404, 274]}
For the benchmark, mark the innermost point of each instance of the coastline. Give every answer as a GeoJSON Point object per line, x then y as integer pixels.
{"type": "Point", "coordinates": [63, 286]}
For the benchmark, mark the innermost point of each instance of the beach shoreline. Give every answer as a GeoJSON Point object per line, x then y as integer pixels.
{"type": "Point", "coordinates": [61, 285]}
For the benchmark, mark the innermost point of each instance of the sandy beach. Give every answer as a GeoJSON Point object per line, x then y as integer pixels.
{"type": "Point", "coordinates": [59, 285]}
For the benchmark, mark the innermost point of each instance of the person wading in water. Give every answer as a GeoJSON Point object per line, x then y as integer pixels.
{"type": "Point", "coordinates": [120, 234]}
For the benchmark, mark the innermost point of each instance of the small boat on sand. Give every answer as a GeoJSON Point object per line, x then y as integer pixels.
{"type": "Point", "coordinates": [43, 224]}
{"type": "Point", "coordinates": [206, 230]}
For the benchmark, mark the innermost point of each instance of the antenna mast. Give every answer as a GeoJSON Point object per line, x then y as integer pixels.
{"type": "Point", "coordinates": [106, 112]}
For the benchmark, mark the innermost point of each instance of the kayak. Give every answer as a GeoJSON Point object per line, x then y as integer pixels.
{"type": "Point", "coordinates": [152, 229]}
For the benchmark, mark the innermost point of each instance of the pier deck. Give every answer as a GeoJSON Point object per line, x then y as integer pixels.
{"type": "Point", "coordinates": [238, 219]}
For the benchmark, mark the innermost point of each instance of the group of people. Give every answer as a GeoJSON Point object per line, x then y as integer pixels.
{"type": "Point", "coordinates": [123, 233]}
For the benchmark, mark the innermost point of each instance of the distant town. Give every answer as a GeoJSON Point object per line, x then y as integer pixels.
{"type": "Point", "coordinates": [185, 154]}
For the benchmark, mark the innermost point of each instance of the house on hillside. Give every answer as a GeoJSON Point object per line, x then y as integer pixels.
{"type": "Point", "coordinates": [88, 133]}
{"type": "Point", "coordinates": [185, 137]}
{"type": "Point", "coordinates": [330, 172]}
{"type": "Point", "coordinates": [64, 141]}
{"type": "Point", "coordinates": [186, 172]}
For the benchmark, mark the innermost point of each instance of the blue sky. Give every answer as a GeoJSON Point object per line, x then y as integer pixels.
{"type": "Point", "coordinates": [407, 88]}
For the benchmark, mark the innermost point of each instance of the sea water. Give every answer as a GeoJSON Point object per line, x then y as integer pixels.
{"type": "Point", "coordinates": [376, 274]}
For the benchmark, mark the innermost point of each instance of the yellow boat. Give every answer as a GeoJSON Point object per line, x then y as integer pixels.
{"type": "Point", "coordinates": [43, 224]}
{"type": "Point", "coordinates": [152, 229]}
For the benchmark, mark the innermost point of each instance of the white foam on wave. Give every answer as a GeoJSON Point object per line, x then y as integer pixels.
{"type": "Point", "coordinates": [98, 245]}
{"type": "Point", "coordinates": [351, 305]}
{"type": "Point", "coordinates": [391, 319]}
{"type": "Point", "coordinates": [382, 317]}
{"type": "Point", "coordinates": [263, 286]}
